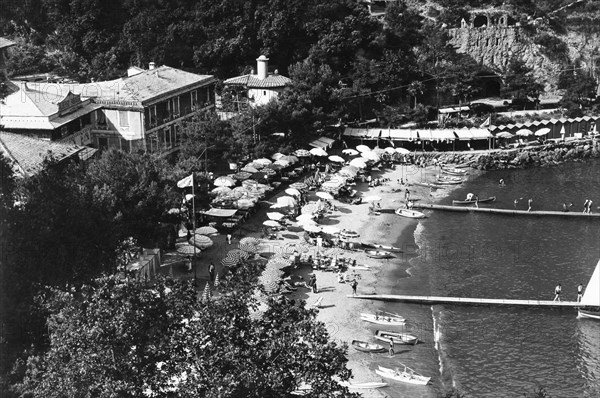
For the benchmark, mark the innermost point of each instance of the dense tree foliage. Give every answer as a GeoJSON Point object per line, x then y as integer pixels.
{"type": "Point", "coordinates": [519, 83]}
{"type": "Point", "coordinates": [128, 340]}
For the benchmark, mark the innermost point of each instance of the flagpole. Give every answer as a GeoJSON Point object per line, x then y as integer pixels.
{"type": "Point", "coordinates": [194, 226]}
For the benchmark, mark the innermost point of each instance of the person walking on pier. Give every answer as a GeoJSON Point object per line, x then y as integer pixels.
{"type": "Point", "coordinates": [476, 201]}
{"type": "Point", "coordinates": [589, 208]}
{"type": "Point", "coordinates": [585, 206]}
{"type": "Point", "coordinates": [353, 284]}
{"type": "Point", "coordinates": [557, 292]}
{"type": "Point", "coordinates": [529, 202]}
{"type": "Point", "coordinates": [579, 292]}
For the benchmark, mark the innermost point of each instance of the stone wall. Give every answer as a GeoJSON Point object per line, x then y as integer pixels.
{"type": "Point", "coordinates": [543, 155]}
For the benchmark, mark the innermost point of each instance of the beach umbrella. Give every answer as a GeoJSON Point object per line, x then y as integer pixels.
{"type": "Point", "coordinates": [251, 240]}
{"type": "Point", "coordinates": [274, 166]}
{"type": "Point", "coordinates": [275, 216]}
{"type": "Point", "coordinates": [337, 159]}
{"type": "Point", "coordinates": [370, 156]}
{"type": "Point", "coordinates": [350, 152]}
{"type": "Point", "coordinates": [349, 234]}
{"type": "Point", "coordinates": [224, 181]}
{"type": "Point", "coordinates": [249, 169]}
{"type": "Point", "coordinates": [330, 229]}
{"type": "Point", "coordinates": [188, 250]}
{"type": "Point", "coordinates": [287, 201]}
{"type": "Point", "coordinates": [206, 231]}
{"type": "Point", "coordinates": [363, 148]}
{"type": "Point", "coordinates": [390, 150]}
{"type": "Point", "coordinates": [248, 184]}
{"type": "Point", "coordinates": [524, 132]}
{"type": "Point", "coordinates": [269, 171]}
{"type": "Point", "coordinates": [302, 153]}
{"type": "Point", "coordinates": [245, 203]}
{"type": "Point", "coordinates": [311, 228]}
{"type": "Point", "coordinates": [277, 156]}
{"type": "Point", "coordinates": [372, 198]}
{"type": "Point", "coordinates": [402, 151]}
{"type": "Point", "coordinates": [248, 247]}
{"type": "Point", "coordinates": [305, 218]}
{"type": "Point", "coordinates": [309, 208]}
{"type": "Point", "coordinates": [504, 134]}
{"type": "Point", "coordinates": [221, 190]}
{"type": "Point", "coordinates": [271, 223]}
{"type": "Point", "coordinates": [201, 241]}
{"type": "Point", "coordinates": [318, 152]}
{"type": "Point", "coordinates": [242, 175]}
{"type": "Point", "coordinates": [299, 186]}
{"type": "Point", "coordinates": [324, 195]}
{"type": "Point", "coordinates": [230, 262]}
{"type": "Point", "coordinates": [189, 197]}
{"type": "Point", "coordinates": [292, 191]}
{"type": "Point", "coordinates": [238, 254]}
{"type": "Point", "coordinates": [263, 161]}
{"type": "Point", "coordinates": [289, 158]}
{"type": "Point", "coordinates": [542, 131]}
{"type": "Point", "coordinates": [358, 162]}
{"type": "Point", "coordinates": [282, 163]}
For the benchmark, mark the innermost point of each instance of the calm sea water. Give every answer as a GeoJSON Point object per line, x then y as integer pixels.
{"type": "Point", "coordinates": [501, 351]}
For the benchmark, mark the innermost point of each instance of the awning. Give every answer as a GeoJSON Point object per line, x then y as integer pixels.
{"type": "Point", "coordinates": [437, 135]}
{"type": "Point", "coordinates": [220, 212]}
{"type": "Point", "coordinates": [353, 132]}
{"type": "Point", "coordinates": [322, 142]}
{"type": "Point", "coordinates": [473, 134]}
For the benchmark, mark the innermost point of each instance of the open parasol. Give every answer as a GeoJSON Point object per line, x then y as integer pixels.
{"type": "Point", "coordinates": [524, 132]}
{"type": "Point", "coordinates": [275, 216]}
{"type": "Point", "coordinates": [201, 241]}
{"type": "Point", "coordinates": [402, 151]}
{"type": "Point", "coordinates": [302, 153]}
{"type": "Point", "coordinates": [324, 195]}
{"type": "Point", "coordinates": [337, 159]}
{"type": "Point", "coordinates": [542, 132]}
{"type": "Point", "coordinates": [299, 186]}
{"type": "Point", "coordinates": [363, 148]}
{"type": "Point", "coordinates": [318, 152]}
{"type": "Point", "coordinates": [186, 249]}
{"type": "Point", "coordinates": [292, 191]}
{"type": "Point", "coordinates": [350, 151]}
{"type": "Point", "coordinates": [263, 161]}
{"type": "Point", "coordinates": [271, 223]}
{"type": "Point", "coordinates": [206, 230]}
{"type": "Point", "coordinates": [224, 181]}
{"type": "Point", "coordinates": [504, 134]}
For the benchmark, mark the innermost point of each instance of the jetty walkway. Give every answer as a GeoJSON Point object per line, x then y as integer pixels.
{"type": "Point", "coordinates": [509, 212]}
{"type": "Point", "coordinates": [467, 300]}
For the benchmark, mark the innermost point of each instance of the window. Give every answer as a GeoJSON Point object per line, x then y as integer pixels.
{"type": "Point", "coordinates": [153, 118]}
{"type": "Point", "coordinates": [123, 118]}
{"type": "Point", "coordinates": [194, 95]}
{"type": "Point", "coordinates": [102, 143]}
{"type": "Point", "coordinates": [101, 119]}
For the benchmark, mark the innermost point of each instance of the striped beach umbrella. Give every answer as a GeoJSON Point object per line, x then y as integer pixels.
{"type": "Point", "coordinates": [207, 294]}
{"type": "Point", "coordinates": [248, 247]}
{"type": "Point", "coordinates": [230, 262]}
{"type": "Point", "coordinates": [302, 153]}
{"type": "Point", "coordinates": [206, 230]}
{"type": "Point", "coordinates": [238, 254]}
{"type": "Point", "coordinates": [186, 249]}
{"type": "Point", "coordinates": [251, 240]}
{"type": "Point", "coordinates": [201, 241]}
{"type": "Point", "coordinates": [299, 186]}
{"type": "Point", "coordinates": [242, 175]}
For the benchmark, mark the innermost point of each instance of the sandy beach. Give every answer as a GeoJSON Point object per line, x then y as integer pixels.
{"type": "Point", "coordinates": [337, 311]}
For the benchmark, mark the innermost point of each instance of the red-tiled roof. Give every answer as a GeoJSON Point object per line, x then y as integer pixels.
{"type": "Point", "coordinates": [28, 154]}
{"type": "Point", "coordinates": [252, 81]}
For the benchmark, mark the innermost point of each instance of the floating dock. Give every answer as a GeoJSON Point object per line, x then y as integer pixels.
{"type": "Point", "coordinates": [509, 212]}
{"type": "Point", "coordinates": [467, 301]}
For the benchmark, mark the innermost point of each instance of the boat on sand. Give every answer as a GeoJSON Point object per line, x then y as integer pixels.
{"type": "Point", "coordinates": [590, 301]}
{"type": "Point", "coordinates": [366, 385]}
{"type": "Point", "coordinates": [406, 375]}
{"type": "Point", "coordinates": [409, 213]}
{"type": "Point", "coordinates": [383, 320]}
{"type": "Point", "coordinates": [472, 201]}
{"type": "Point", "coordinates": [454, 171]}
{"type": "Point", "coordinates": [399, 338]}
{"type": "Point", "coordinates": [382, 247]}
{"type": "Point", "coordinates": [363, 346]}
{"type": "Point", "coordinates": [378, 254]}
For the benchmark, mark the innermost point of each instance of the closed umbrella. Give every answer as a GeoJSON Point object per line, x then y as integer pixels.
{"type": "Point", "coordinates": [302, 153]}
{"type": "Point", "coordinates": [324, 195]}
{"type": "Point", "coordinates": [275, 216]}
{"type": "Point", "coordinates": [524, 132]}
{"type": "Point", "coordinates": [542, 131]}
{"type": "Point", "coordinates": [350, 152]}
{"type": "Point", "coordinates": [224, 181]}
{"type": "Point", "coordinates": [337, 159]}
{"type": "Point", "coordinates": [318, 152]}
{"type": "Point", "coordinates": [206, 231]}
{"type": "Point", "coordinates": [292, 191]}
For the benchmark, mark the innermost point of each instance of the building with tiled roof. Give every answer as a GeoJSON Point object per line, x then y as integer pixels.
{"type": "Point", "coordinates": [27, 154]}
{"type": "Point", "coordinates": [262, 87]}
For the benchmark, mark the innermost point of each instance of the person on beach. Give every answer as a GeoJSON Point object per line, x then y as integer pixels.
{"type": "Point", "coordinates": [529, 202]}
{"type": "Point", "coordinates": [515, 202]}
{"type": "Point", "coordinates": [407, 194]}
{"type": "Point", "coordinates": [589, 209]}
{"type": "Point", "coordinates": [557, 292]}
{"type": "Point", "coordinates": [476, 201]}
{"type": "Point", "coordinates": [211, 272]}
{"type": "Point", "coordinates": [354, 284]}
{"type": "Point", "coordinates": [469, 196]}
{"type": "Point", "coordinates": [313, 284]}
{"type": "Point", "coordinates": [229, 238]}
{"type": "Point", "coordinates": [391, 349]}
{"type": "Point", "coordinates": [585, 206]}
{"type": "Point", "coordinates": [502, 182]}
{"type": "Point", "coordinates": [579, 292]}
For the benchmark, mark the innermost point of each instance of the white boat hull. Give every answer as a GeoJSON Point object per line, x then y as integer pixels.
{"type": "Point", "coordinates": [410, 213]}
{"type": "Point", "coordinates": [399, 338]}
{"type": "Point", "coordinates": [589, 314]}
{"type": "Point", "coordinates": [394, 321]}
{"type": "Point", "coordinates": [367, 385]}
{"type": "Point", "coordinates": [404, 377]}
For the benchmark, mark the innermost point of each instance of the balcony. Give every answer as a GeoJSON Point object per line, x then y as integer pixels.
{"type": "Point", "coordinates": [81, 137]}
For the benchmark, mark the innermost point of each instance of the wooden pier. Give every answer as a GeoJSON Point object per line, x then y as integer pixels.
{"type": "Point", "coordinates": [467, 301]}
{"type": "Point", "coordinates": [509, 212]}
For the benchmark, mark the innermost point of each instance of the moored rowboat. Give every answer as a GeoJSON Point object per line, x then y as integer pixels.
{"type": "Point", "coordinates": [454, 171]}
{"type": "Point", "coordinates": [367, 347]}
{"type": "Point", "coordinates": [468, 202]}
{"type": "Point", "coordinates": [383, 320]}
{"type": "Point", "coordinates": [409, 213]}
{"type": "Point", "coordinates": [378, 254]}
{"type": "Point", "coordinates": [383, 247]}
{"type": "Point", "coordinates": [399, 338]}
{"type": "Point", "coordinates": [369, 384]}
{"type": "Point", "coordinates": [407, 375]}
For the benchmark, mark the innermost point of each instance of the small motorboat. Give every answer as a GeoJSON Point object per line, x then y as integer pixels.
{"type": "Point", "coordinates": [406, 375]}
{"type": "Point", "coordinates": [426, 184]}
{"type": "Point", "coordinates": [347, 234]}
{"type": "Point", "coordinates": [366, 385]}
{"type": "Point", "coordinates": [448, 182]}
{"type": "Point", "coordinates": [383, 320]}
{"type": "Point", "coordinates": [378, 254]}
{"type": "Point", "coordinates": [367, 347]}
{"type": "Point", "coordinates": [472, 201]}
{"type": "Point", "coordinates": [448, 178]}
{"type": "Point", "coordinates": [399, 338]}
{"type": "Point", "coordinates": [382, 247]}
{"type": "Point", "coordinates": [409, 213]}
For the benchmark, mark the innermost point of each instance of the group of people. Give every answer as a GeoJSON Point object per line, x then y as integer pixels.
{"type": "Point", "coordinates": [587, 206]}
{"type": "Point", "coordinates": [558, 292]}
